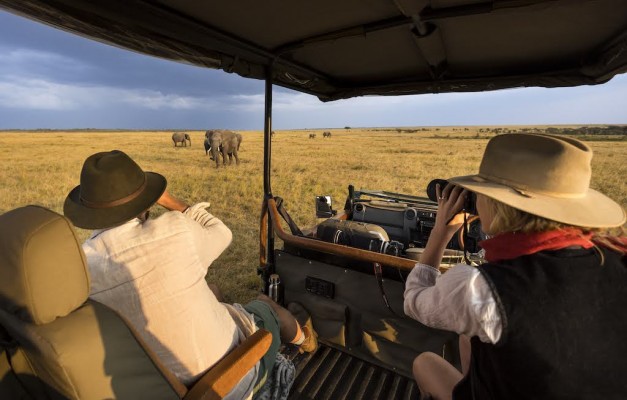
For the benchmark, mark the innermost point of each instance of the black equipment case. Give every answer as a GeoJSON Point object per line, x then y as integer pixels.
{"type": "Point", "coordinates": [354, 234]}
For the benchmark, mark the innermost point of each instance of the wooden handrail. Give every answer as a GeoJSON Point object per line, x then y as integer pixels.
{"type": "Point", "coordinates": [216, 383]}
{"type": "Point", "coordinates": [336, 249]}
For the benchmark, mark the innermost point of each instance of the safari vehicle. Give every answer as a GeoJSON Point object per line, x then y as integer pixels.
{"type": "Point", "coordinates": [348, 272]}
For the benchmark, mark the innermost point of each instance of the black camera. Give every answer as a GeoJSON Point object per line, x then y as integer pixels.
{"type": "Point", "coordinates": [323, 207]}
{"type": "Point", "coordinates": [470, 205]}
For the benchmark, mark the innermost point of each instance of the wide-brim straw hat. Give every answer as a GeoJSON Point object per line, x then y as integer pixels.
{"type": "Point", "coordinates": [544, 175]}
{"type": "Point", "coordinates": [113, 189]}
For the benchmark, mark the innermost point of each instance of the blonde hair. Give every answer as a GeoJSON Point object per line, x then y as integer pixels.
{"type": "Point", "coordinates": [510, 219]}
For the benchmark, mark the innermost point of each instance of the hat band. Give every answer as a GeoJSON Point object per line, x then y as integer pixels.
{"type": "Point", "coordinates": [528, 191]}
{"type": "Point", "coordinates": [114, 203]}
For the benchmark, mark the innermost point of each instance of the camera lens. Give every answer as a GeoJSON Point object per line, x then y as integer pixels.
{"type": "Point", "coordinates": [431, 188]}
{"type": "Point", "coordinates": [469, 204]}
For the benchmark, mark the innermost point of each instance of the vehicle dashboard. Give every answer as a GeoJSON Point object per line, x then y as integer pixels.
{"type": "Point", "coordinates": [392, 223]}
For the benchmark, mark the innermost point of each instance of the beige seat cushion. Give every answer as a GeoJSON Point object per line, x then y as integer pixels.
{"type": "Point", "coordinates": [89, 354]}
{"type": "Point", "coordinates": [43, 274]}
{"type": "Point", "coordinates": [67, 347]}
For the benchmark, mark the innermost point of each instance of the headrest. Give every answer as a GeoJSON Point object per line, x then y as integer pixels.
{"type": "Point", "coordinates": [43, 273]}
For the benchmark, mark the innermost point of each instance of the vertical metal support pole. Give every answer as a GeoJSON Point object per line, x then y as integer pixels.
{"type": "Point", "coordinates": [267, 137]}
{"type": "Point", "coordinates": [267, 188]}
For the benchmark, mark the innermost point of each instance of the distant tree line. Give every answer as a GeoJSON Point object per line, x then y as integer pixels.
{"type": "Point", "coordinates": [609, 130]}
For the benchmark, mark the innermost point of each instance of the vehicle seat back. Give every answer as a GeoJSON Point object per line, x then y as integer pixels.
{"type": "Point", "coordinates": [67, 346]}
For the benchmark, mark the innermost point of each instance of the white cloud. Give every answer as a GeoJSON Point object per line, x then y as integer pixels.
{"type": "Point", "coordinates": [281, 101]}
{"type": "Point", "coordinates": [156, 100]}
{"type": "Point", "coordinates": [35, 94]}
{"type": "Point", "coordinates": [244, 102]}
{"type": "Point", "coordinates": [39, 94]}
{"type": "Point", "coordinates": [23, 60]}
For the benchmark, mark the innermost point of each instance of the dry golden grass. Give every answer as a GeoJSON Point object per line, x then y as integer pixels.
{"type": "Point", "coordinates": [42, 167]}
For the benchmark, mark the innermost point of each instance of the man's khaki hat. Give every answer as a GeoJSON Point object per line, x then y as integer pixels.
{"type": "Point", "coordinates": [113, 190]}
{"type": "Point", "coordinates": [544, 175]}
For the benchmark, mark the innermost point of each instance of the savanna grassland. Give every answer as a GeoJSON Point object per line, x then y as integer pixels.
{"type": "Point", "coordinates": [42, 167]}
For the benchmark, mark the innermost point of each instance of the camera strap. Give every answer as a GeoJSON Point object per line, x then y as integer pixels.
{"type": "Point", "coordinates": [466, 241]}
{"type": "Point", "coordinates": [378, 273]}
{"type": "Point", "coordinates": [290, 222]}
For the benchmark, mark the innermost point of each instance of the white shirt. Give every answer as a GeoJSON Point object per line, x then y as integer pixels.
{"type": "Point", "coordinates": [153, 273]}
{"type": "Point", "coordinates": [459, 300]}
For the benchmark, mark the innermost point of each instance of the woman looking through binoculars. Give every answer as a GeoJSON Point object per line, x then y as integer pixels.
{"type": "Point", "coordinates": [543, 318]}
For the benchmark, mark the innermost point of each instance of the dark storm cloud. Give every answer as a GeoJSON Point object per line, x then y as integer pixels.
{"type": "Point", "coordinates": [73, 59]}
{"type": "Point", "coordinates": [118, 117]}
{"type": "Point", "coordinates": [53, 79]}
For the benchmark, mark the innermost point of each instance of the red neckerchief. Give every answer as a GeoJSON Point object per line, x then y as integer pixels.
{"type": "Point", "coordinates": [507, 246]}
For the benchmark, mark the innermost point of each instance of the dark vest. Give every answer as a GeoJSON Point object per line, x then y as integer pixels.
{"type": "Point", "coordinates": [564, 329]}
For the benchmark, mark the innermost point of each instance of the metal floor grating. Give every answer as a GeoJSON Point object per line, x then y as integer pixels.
{"type": "Point", "coordinates": [330, 374]}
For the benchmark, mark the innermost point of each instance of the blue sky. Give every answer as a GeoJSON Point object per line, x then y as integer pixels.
{"type": "Point", "coordinates": [52, 79]}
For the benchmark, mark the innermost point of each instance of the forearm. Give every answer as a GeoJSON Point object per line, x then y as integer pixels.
{"type": "Point", "coordinates": [171, 203]}
{"type": "Point", "coordinates": [447, 223]}
{"type": "Point", "coordinates": [434, 250]}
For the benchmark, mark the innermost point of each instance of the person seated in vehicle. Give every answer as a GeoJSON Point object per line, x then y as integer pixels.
{"type": "Point", "coordinates": [544, 314]}
{"type": "Point", "coordinates": [152, 271]}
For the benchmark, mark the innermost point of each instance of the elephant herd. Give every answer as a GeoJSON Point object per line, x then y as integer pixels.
{"type": "Point", "coordinates": [222, 142]}
{"type": "Point", "coordinates": [324, 135]}
{"type": "Point", "coordinates": [219, 142]}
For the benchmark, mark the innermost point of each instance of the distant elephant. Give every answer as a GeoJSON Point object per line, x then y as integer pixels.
{"type": "Point", "coordinates": [181, 137]}
{"type": "Point", "coordinates": [326, 134]}
{"type": "Point", "coordinates": [223, 142]}
{"type": "Point", "coordinates": [312, 136]}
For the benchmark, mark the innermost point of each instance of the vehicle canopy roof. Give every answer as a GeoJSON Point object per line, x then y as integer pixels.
{"type": "Point", "coordinates": [341, 49]}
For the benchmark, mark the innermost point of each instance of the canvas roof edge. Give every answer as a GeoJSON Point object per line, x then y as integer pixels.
{"type": "Point", "coordinates": [153, 29]}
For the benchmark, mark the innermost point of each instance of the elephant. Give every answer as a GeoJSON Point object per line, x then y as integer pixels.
{"type": "Point", "coordinates": [326, 134]}
{"type": "Point", "coordinates": [312, 136]}
{"type": "Point", "coordinates": [208, 136]}
{"type": "Point", "coordinates": [224, 142]}
{"type": "Point", "coordinates": [181, 137]}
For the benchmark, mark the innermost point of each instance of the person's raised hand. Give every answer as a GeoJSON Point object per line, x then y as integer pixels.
{"type": "Point", "coordinates": [448, 220]}
{"type": "Point", "coordinates": [451, 200]}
